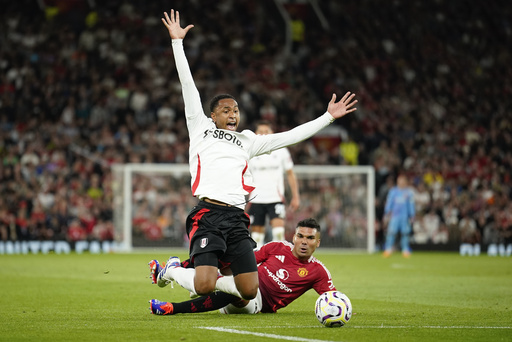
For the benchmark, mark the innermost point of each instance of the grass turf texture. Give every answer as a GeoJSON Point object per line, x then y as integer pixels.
{"type": "Point", "coordinates": [429, 297]}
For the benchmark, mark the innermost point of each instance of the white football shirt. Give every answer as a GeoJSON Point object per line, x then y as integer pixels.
{"type": "Point", "coordinates": [218, 158]}
{"type": "Point", "coordinates": [268, 173]}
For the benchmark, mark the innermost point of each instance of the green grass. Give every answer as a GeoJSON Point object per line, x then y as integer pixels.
{"type": "Point", "coordinates": [430, 297]}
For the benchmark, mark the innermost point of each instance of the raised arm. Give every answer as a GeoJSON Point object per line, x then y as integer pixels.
{"type": "Point", "coordinates": [193, 106]}
{"type": "Point", "coordinates": [335, 110]}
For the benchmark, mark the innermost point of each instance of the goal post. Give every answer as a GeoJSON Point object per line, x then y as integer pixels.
{"type": "Point", "coordinates": [126, 179]}
{"type": "Point", "coordinates": [342, 200]}
{"type": "Point", "coordinates": [151, 203]}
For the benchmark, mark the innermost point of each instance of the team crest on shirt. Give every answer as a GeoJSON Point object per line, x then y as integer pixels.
{"type": "Point", "coordinates": [204, 242]}
{"type": "Point", "coordinates": [302, 272]}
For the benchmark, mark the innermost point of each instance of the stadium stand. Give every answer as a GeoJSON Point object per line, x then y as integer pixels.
{"type": "Point", "coordinates": [85, 84]}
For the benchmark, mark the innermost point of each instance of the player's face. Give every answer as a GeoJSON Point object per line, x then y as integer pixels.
{"type": "Point", "coordinates": [263, 130]}
{"type": "Point", "coordinates": [305, 242]}
{"type": "Point", "coordinates": [401, 182]}
{"type": "Point", "coordinates": [226, 115]}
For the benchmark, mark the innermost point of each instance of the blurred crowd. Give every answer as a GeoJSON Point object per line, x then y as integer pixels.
{"type": "Point", "coordinates": [86, 84]}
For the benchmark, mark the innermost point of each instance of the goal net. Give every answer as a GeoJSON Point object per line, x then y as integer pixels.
{"type": "Point", "coordinates": [152, 201]}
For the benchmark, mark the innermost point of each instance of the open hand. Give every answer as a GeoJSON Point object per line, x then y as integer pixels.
{"type": "Point", "coordinates": [343, 106]}
{"type": "Point", "coordinates": [173, 25]}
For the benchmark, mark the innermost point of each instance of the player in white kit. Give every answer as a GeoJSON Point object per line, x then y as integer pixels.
{"type": "Point", "coordinates": [218, 227]}
{"type": "Point", "coordinates": [267, 199]}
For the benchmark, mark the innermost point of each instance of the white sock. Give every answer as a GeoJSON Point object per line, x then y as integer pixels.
{"type": "Point", "coordinates": [250, 308]}
{"type": "Point", "coordinates": [183, 276]}
{"type": "Point", "coordinates": [227, 284]}
{"type": "Point", "coordinates": [259, 238]}
{"type": "Point", "coordinates": [278, 234]}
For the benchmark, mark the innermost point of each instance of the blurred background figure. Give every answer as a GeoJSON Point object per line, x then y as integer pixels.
{"type": "Point", "coordinates": [399, 215]}
{"type": "Point", "coordinates": [268, 200]}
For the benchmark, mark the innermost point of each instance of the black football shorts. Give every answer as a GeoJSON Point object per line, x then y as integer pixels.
{"type": "Point", "coordinates": [259, 211]}
{"type": "Point", "coordinates": [224, 231]}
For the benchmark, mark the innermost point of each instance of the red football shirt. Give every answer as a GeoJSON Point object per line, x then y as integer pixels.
{"type": "Point", "coordinates": [283, 278]}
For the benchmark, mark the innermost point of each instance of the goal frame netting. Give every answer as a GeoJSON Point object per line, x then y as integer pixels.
{"type": "Point", "coordinates": [123, 178]}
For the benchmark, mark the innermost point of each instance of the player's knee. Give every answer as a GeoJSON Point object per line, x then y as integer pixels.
{"type": "Point", "coordinates": [203, 290]}
{"type": "Point", "coordinates": [249, 292]}
{"type": "Point", "coordinates": [249, 295]}
{"type": "Point", "coordinates": [241, 303]}
{"type": "Point", "coordinates": [204, 287]}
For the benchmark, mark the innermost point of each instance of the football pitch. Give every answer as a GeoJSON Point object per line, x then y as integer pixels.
{"type": "Point", "coordinates": [91, 297]}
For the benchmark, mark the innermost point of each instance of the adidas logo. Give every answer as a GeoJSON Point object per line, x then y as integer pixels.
{"type": "Point", "coordinates": [280, 257]}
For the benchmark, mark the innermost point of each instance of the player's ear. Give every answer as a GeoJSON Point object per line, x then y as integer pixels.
{"type": "Point", "coordinates": [213, 116]}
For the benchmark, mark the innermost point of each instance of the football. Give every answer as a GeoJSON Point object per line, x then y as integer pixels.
{"type": "Point", "coordinates": [333, 309]}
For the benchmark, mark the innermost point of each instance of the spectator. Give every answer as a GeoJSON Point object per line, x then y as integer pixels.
{"type": "Point", "coordinates": [407, 81]}
{"type": "Point", "coordinates": [470, 236]}
{"type": "Point", "coordinates": [433, 225]}
{"type": "Point", "coordinates": [422, 197]}
{"type": "Point", "coordinates": [420, 230]}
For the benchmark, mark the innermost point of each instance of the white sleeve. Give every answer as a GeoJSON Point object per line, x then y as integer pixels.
{"type": "Point", "coordinates": [270, 142]}
{"type": "Point", "coordinates": [193, 106]}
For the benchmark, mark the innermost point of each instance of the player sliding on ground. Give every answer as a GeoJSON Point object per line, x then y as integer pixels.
{"type": "Point", "coordinates": [217, 226]}
{"type": "Point", "coordinates": [285, 271]}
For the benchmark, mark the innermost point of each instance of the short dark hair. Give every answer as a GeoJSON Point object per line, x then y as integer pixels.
{"type": "Point", "coordinates": [214, 102]}
{"type": "Point", "coordinates": [263, 123]}
{"type": "Point", "coordinates": [309, 223]}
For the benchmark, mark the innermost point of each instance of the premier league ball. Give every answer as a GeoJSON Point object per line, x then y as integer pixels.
{"type": "Point", "coordinates": [333, 309]}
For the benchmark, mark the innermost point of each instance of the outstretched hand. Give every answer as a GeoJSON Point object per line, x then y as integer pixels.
{"type": "Point", "coordinates": [343, 106]}
{"type": "Point", "coordinates": [173, 25]}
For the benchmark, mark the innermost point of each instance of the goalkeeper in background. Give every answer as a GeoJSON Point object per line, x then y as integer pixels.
{"type": "Point", "coordinates": [399, 214]}
{"type": "Point", "coordinates": [286, 271]}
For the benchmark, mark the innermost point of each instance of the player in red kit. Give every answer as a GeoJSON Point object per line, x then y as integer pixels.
{"type": "Point", "coordinates": [285, 272]}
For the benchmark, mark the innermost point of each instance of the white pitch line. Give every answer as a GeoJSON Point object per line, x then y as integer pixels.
{"type": "Point", "coordinates": [423, 327]}
{"type": "Point", "coordinates": [348, 326]}
{"type": "Point", "coordinates": [279, 337]}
